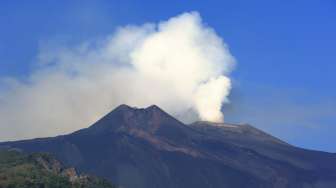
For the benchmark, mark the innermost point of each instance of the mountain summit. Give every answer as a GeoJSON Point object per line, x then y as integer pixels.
{"type": "Point", "coordinates": [148, 148]}
{"type": "Point", "coordinates": [149, 119]}
{"type": "Point", "coordinates": [236, 133]}
{"type": "Point", "coordinates": [142, 122]}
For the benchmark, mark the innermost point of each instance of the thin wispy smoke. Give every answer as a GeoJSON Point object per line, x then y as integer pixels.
{"type": "Point", "coordinates": [180, 64]}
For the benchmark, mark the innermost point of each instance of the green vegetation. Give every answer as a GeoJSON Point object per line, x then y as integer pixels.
{"type": "Point", "coordinates": [40, 170]}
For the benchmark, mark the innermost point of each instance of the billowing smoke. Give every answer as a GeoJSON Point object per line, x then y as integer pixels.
{"type": "Point", "coordinates": [180, 65]}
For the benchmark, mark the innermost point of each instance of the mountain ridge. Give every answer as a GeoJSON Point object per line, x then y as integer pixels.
{"type": "Point", "coordinates": [239, 130]}
{"type": "Point", "coordinates": [153, 149]}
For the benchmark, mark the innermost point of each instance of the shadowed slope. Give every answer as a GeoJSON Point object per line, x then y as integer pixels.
{"type": "Point", "coordinates": [18, 170]}
{"type": "Point", "coordinates": [148, 148]}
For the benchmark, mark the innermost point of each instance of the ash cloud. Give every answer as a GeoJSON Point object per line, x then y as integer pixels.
{"type": "Point", "coordinates": [180, 64]}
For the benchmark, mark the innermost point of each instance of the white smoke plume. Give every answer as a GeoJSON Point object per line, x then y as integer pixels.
{"type": "Point", "coordinates": [180, 64]}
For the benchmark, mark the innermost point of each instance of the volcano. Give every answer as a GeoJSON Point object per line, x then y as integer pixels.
{"type": "Point", "coordinates": [148, 148]}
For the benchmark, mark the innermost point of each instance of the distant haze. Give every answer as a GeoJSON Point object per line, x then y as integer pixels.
{"type": "Point", "coordinates": [180, 64]}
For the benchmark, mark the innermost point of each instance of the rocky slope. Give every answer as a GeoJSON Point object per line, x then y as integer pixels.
{"type": "Point", "coordinates": [19, 170]}
{"type": "Point", "coordinates": [148, 148]}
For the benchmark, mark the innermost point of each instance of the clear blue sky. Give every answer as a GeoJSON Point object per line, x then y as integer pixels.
{"type": "Point", "coordinates": [284, 82]}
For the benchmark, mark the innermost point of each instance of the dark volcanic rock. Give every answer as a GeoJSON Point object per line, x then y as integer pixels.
{"type": "Point", "coordinates": [148, 148]}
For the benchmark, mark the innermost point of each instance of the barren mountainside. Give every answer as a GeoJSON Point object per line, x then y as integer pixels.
{"type": "Point", "coordinates": [148, 148]}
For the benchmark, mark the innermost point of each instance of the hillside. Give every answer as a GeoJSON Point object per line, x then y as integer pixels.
{"type": "Point", "coordinates": [148, 148]}
{"type": "Point", "coordinates": [41, 170]}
